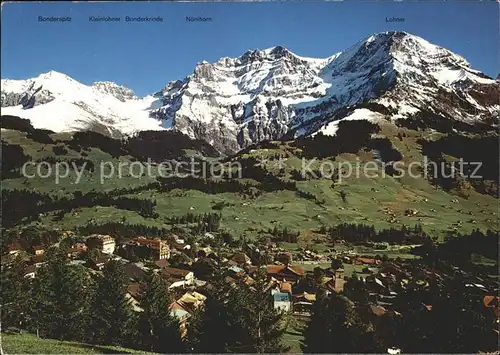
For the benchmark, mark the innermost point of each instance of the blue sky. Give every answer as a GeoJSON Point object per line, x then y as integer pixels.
{"type": "Point", "coordinates": [145, 56]}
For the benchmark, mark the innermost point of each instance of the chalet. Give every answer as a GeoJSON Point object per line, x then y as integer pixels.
{"type": "Point", "coordinates": [335, 285]}
{"type": "Point", "coordinates": [310, 255]}
{"type": "Point", "coordinates": [38, 260]}
{"type": "Point", "coordinates": [76, 249]}
{"type": "Point", "coordinates": [231, 263]}
{"type": "Point", "coordinates": [133, 272]}
{"type": "Point", "coordinates": [284, 258]}
{"type": "Point", "coordinates": [176, 305]}
{"type": "Point", "coordinates": [282, 301]}
{"type": "Point", "coordinates": [241, 259]}
{"type": "Point", "coordinates": [303, 303]}
{"type": "Point", "coordinates": [181, 316]}
{"type": "Point", "coordinates": [38, 250]}
{"type": "Point", "coordinates": [191, 301]}
{"type": "Point", "coordinates": [104, 243]}
{"type": "Point", "coordinates": [247, 280]}
{"type": "Point", "coordinates": [177, 277]}
{"type": "Point", "coordinates": [335, 282]}
{"type": "Point", "coordinates": [29, 271]}
{"type": "Point", "coordinates": [162, 263]}
{"type": "Point", "coordinates": [251, 269]}
{"type": "Point", "coordinates": [393, 269]}
{"type": "Point", "coordinates": [366, 261]}
{"type": "Point", "coordinates": [235, 269]}
{"type": "Point", "coordinates": [230, 280]}
{"type": "Point", "coordinates": [177, 274]}
{"type": "Point", "coordinates": [133, 292]}
{"type": "Point", "coordinates": [180, 246]}
{"type": "Point", "coordinates": [159, 248]}
{"type": "Point", "coordinates": [101, 261]}
{"type": "Point", "coordinates": [178, 312]}
{"type": "Point", "coordinates": [288, 273]}
{"type": "Point", "coordinates": [14, 248]}
{"type": "Point", "coordinates": [182, 258]}
{"type": "Point", "coordinates": [305, 297]}
{"type": "Point", "coordinates": [286, 287]}
{"type": "Point", "coordinates": [375, 313]}
{"type": "Point", "coordinates": [491, 301]}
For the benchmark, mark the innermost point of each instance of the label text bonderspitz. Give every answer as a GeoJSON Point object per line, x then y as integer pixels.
{"type": "Point", "coordinates": [54, 19]}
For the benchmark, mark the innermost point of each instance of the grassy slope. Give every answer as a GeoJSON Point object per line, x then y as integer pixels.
{"type": "Point", "coordinates": [369, 201]}
{"type": "Point", "coordinates": [30, 344]}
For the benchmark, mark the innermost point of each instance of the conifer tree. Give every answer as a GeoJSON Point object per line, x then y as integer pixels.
{"type": "Point", "coordinates": [336, 328]}
{"type": "Point", "coordinates": [317, 333]}
{"type": "Point", "coordinates": [210, 328]}
{"type": "Point", "coordinates": [239, 319]}
{"type": "Point", "coordinates": [112, 321]}
{"type": "Point", "coordinates": [61, 294]}
{"type": "Point", "coordinates": [158, 330]}
{"type": "Point", "coordinates": [15, 294]}
{"type": "Point", "coordinates": [264, 323]}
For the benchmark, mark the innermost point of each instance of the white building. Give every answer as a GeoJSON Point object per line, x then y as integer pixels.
{"type": "Point", "coordinates": [282, 301]}
{"type": "Point", "coordinates": [105, 243]}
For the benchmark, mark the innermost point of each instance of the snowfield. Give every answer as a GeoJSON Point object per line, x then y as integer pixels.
{"type": "Point", "coordinates": [330, 129]}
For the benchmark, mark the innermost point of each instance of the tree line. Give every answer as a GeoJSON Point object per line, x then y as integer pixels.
{"type": "Point", "coordinates": [323, 146]}
{"type": "Point", "coordinates": [29, 204]}
{"type": "Point", "coordinates": [472, 151]}
{"type": "Point", "coordinates": [206, 222]}
{"type": "Point", "coordinates": [284, 235]}
{"type": "Point", "coordinates": [460, 248]}
{"type": "Point", "coordinates": [355, 233]}
{"type": "Point", "coordinates": [267, 182]}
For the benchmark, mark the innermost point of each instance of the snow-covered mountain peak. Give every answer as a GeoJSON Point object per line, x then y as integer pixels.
{"type": "Point", "coordinates": [54, 75]}
{"type": "Point", "coordinates": [267, 93]}
{"type": "Point", "coordinates": [399, 46]}
{"type": "Point", "coordinates": [58, 102]}
{"type": "Point", "coordinates": [52, 81]}
{"type": "Point", "coordinates": [271, 53]}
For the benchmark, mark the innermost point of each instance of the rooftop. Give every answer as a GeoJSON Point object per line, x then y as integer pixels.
{"type": "Point", "coordinates": [281, 297]}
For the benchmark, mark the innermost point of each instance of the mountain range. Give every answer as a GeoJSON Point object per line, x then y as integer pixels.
{"type": "Point", "coordinates": [273, 93]}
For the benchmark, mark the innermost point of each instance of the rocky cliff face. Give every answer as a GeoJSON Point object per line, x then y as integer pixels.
{"type": "Point", "coordinates": [237, 101]}
{"type": "Point", "coordinates": [272, 93]}
{"type": "Point", "coordinates": [120, 92]}
{"type": "Point", "coordinates": [31, 96]}
{"type": "Point", "coordinates": [266, 94]}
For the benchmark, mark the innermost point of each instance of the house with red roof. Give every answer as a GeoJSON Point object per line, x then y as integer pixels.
{"type": "Point", "coordinates": [290, 273]}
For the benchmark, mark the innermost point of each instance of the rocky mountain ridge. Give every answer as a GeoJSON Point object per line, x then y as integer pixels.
{"type": "Point", "coordinates": [272, 93]}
